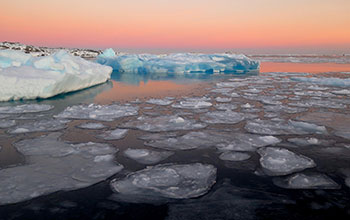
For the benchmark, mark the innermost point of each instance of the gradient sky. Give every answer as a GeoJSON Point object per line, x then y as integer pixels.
{"type": "Point", "coordinates": [180, 25]}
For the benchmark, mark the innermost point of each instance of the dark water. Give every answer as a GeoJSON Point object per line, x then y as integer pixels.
{"type": "Point", "coordinates": [240, 191]}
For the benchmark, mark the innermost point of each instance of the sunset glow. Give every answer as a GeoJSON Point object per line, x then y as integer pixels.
{"type": "Point", "coordinates": [182, 25]}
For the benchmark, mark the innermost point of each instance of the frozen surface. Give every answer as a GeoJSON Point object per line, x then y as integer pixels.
{"type": "Point", "coordinates": [193, 103]}
{"type": "Point", "coordinates": [92, 125]}
{"type": "Point", "coordinates": [179, 63]}
{"type": "Point", "coordinates": [234, 156]}
{"type": "Point", "coordinates": [159, 101]}
{"type": "Point", "coordinates": [324, 81]}
{"type": "Point", "coordinates": [306, 181]}
{"type": "Point", "coordinates": [98, 112]}
{"type": "Point", "coordinates": [4, 123]}
{"type": "Point", "coordinates": [222, 117]}
{"type": "Point", "coordinates": [27, 108]}
{"type": "Point", "coordinates": [168, 181]}
{"type": "Point", "coordinates": [163, 123]}
{"type": "Point", "coordinates": [114, 134]}
{"type": "Point", "coordinates": [37, 126]}
{"type": "Point", "coordinates": [54, 165]}
{"type": "Point", "coordinates": [23, 76]}
{"type": "Point", "coordinates": [279, 161]}
{"type": "Point", "coordinates": [146, 156]}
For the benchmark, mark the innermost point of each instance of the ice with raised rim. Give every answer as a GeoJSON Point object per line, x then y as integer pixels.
{"type": "Point", "coordinates": [98, 112]}
{"type": "Point", "coordinates": [179, 63]}
{"type": "Point", "coordinates": [163, 123]}
{"type": "Point", "coordinates": [280, 161]}
{"type": "Point", "coordinates": [113, 134]}
{"type": "Point", "coordinates": [23, 76]}
{"type": "Point", "coordinates": [38, 126]}
{"type": "Point", "coordinates": [92, 125]}
{"type": "Point", "coordinates": [145, 156]}
{"type": "Point", "coordinates": [174, 181]}
{"type": "Point", "coordinates": [26, 108]}
{"type": "Point", "coordinates": [306, 181]}
{"type": "Point", "coordinates": [234, 156]}
{"type": "Point", "coordinates": [53, 165]}
{"type": "Point", "coordinates": [222, 117]}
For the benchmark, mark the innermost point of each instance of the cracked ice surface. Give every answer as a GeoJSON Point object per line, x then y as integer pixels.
{"type": "Point", "coordinates": [163, 123]}
{"type": "Point", "coordinates": [54, 165]}
{"type": "Point", "coordinates": [98, 112]}
{"type": "Point", "coordinates": [306, 181]}
{"type": "Point", "coordinates": [146, 156]}
{"type": "Point", "coordinates": [27, 108]}
{"type": "Point", "coordinates": [167, 181]}
{"type": "Point", "coordinates": [279, 161]}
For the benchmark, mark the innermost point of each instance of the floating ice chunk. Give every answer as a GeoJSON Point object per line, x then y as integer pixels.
{"type": "Point", "coordinates": [193, 103]}
{"type": "Point", "coordinates": [306, 181]}
{"type": "Point", "coordinates": [234, 156]}
{"type": "Point", "coordinates": [92, 125]}
{"type": "Point", "coordinates": [222, 117]}
{"type": "Point", "coordinates": [163, 123]}
{"type": "Point", "coordinates": [55, 165]}
{"type": "Point", "coordinates": [27, 108]}
{"type": "Point", "coordinates": [108, 53]}
{"type": "Point", "coordinates": [279, 161]}
{"type": "Point", "coordinates": [309, 141]}
{"type": "Point", "coordinates": [223, 99]}
{"type": "Point", "coordinates": [7, 123]}
{"type": "Point", "coordinates": [179, 63]}
{"type": "Point", "coordinates": [43, 77]}
{"type": "Point", "coordinates": [324, 81]}
{"type": "Point", "coordinates": [168, 181]}
{"type": "Point", "coordinates": [283, 108]}
{"type": "Point", "coordinates": [145, 156]}
{"type": "Point", "coordinates": [247, 105]}
{"type": "Point", "coordinates": [98, 112]}
{"type": "Point", "coordinates": [316, 87]}
{"type": "Point", "coordinates": [37, 126]}
{"type": "Point", "coordinates": [343, 134]}
{"type": "Point", "coordinates": [319, 103]}
{"type": "Point", "coordinates": [280, 127]}
{"type": "Point", "coordinates": [3, 116]}
{"type": "Point", "coordinates": [114, 134]}
{"type": "Point", "coordinates": [225, 106]}
{"type": "Point", "coordinates": [342, 92]}
{"type": "Point", "coordinates": [157, 136]}
{"type": "Point", "coordinates": [159, 101]}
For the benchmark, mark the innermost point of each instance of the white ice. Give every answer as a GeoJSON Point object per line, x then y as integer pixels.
{"type": "Point", "coordinates": [23, 76]}
{"type": "Point", "coordinates": [38, 126]}
{"type": "Point", "coordinates": [159, 101]}
{"type": "Point", "coordinates": [92, 125]}
{"type": "Point", "coordinates": [113, 134]}
{"type": "Point", "coordinates": [26, 108]}
{"type": "Point", "coordinates": [145, 156]}
{"type": "Point", "coordinates": [306, 181]}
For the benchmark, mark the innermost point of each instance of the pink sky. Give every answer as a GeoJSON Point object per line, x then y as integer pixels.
{"type": "Point", "coordinates": [215, 25]}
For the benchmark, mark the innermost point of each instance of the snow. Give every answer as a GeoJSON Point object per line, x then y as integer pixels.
{"type": "Point", "coordinates": [26, 108]}
{"type": "Point", "coordinates": [54, 165]}
{"type": "Point", "coordinates": [168, 181]}
{"type": "Point", "coordinates": [178, 63]}
{"type": "Point", "coordinates": [23, 76]}
{"type": "Point", "coordinates": [324, 81]}
{"type": "Point", "coordinates": [306, 181]}
{"type": "Point", "coordinates": [145, 156]}
{"type": "Point", "coordinates": [114, 134]}
{"type": "Point", "coordinates": [92, 125]}
{"type": "Point", "coordinates": [234, 156]}
{"type": "Point", "coordinates": [98, 112]}
{"type": "Point", "coordinates": [279, 161]}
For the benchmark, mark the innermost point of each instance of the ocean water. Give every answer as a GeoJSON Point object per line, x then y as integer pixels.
{"type": "Point", "coordinates": [310, 121]}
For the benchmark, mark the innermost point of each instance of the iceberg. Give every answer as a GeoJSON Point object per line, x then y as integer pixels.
{"type": "Point", "coordinates": [23, 76]}
{"type": "Point", "coordinates": [178, 63]}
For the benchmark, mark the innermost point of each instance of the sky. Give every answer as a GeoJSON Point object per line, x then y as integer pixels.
{"type": "Point", "coordinates": [252, 26]}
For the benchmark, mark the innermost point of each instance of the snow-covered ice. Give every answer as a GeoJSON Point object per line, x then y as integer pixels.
{"type": "Point", "coordinates": [98, 112]}
{"type": "Point", "coordinates": [234, 156]}
{"type": "Point", "coordinates": [92, 125]}
{"type": "Point", "coordinates": [54, 165]}
{"type": "Point", "coordinates": [306, 181]}
{"type": "Point", "coordinates": [23, 76]}
{"type": "Point", "coordinates": [222, 117]}
{"type": "Point", "coordinates": [174, 181]}
{"type": "Point", "coordinates": [146, 156]}
{"type": "Point", "coordinates": [178, 63]}
{"type": "Point", "coordinates": [279, 161]}
{"type": "Point", "coordinates": [26, 108]}
{"type": "Point", "coordinates": [113, 134]}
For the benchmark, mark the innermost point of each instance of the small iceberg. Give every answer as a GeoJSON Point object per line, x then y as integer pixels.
{"type": "Point", "coordinates": [178, 63]}
{"type": "Point", "coordinates": [23, 76]}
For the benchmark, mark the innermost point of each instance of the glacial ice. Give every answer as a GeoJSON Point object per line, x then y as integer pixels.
{"type": "Point", "coordinates": [98, 112]}
{"type": "Point", "coordinates": [306, 181]}
{"type": "Point", "coordinates": [26, 108]}
{"type": "Point", "coordinates": [178, 63]}
{"type": "Point", "coordinates": [279, 161]}
{"type": "Point", "coordinates": [145, 156]}
{"type": "Point", "coordinates": [54, 165]}
{"type": "Point", "coordinates": [37, 126]}
{"type": "Point", "coordinates": [222, 117]}
{"type": "Point", "coordinates": [173, 181]}
{"type": "Point", "coordinates": [23, 76]}
{"type": "Point", "coordinates": [324, 81]}
{"type": "Point", "coordinates": [163, 123]}
{"type": "Point", "coordinates": [92, 125]}
{"type": "Point", "coordinates": [234, 156]}
{"type": "Point", "coordinates": [113, 134]}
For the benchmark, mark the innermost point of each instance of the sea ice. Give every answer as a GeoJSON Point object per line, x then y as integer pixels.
{"type": "Point", "coordinates": [26, 108]}
{"type": "Point", "coordinates": [92, 125]}
{"type": "Point", "coordinates": [234, 156]}
{"type": "Point", "coordinates": [223, 99]}
{"type": "Point", "coordinates": [114, 134]}
{"type": "Point", "coordinates": [7, 123]}
{"type": "Point", "coordinates": [309, 141]}
{"type": "Point", "coordinates": [167, 181]}
{"type": "Point", "coordinates": [37, 126]}
{"type": "Point", "coordinates": [146, 156]}
{"type": "Point", "coordinates": [23, 76]}
{"type": "Point", "coordinates": [159, 101]}
{"type": "Point", "coordinates": [341, 92]}
{"type": "Point", "coordinates": [225, 106]}
{"type": "Point", "coordinates": [98, 112]}
{"type": "Point", "coordinates": [193, 103]}
{"type": "Point", "coordinates": [178, 63]}
{"type": "Point", "coordinates": [53, 165]}
{"type": "Point", "coordinates": [222, 117]}
{"type": "Point", "coordinates": [306, 181]}
{"type": "Point", "coordinates": [324, 81]}
{"type": "Point", "coordinates": [163, 123]}
{"type": "Point", "coordinates": [279, 161]}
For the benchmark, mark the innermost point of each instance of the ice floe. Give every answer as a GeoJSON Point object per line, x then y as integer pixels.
{"type": "Point", "coordinates": [279, 161]}
{"type": "Point", "coordinates": [324, 81]}
{"type": "Point", "coordinates": [38, 126]}
{"type": "Point", "coordinates": [306, 181]}
{"type": "Point", "coordinates": [92, 125]}
{"type": "Point", "coordinates": [23, 76]}
{"type": "Point", "coordinates": [26, 108]}
{"type": "Point", "coordinates": [113, 134]}
{"type": "Point", "coordinates": [174, 181]}
{"type": "Point", "coordinates": [234, 156]}
{"type": "Point", "coordinates": [146, 156]}
{"type": "Point", "coordinates": [223, 99]}
{"type": "Point", "coordinates": [159, 101]}
{"type": "Point", "coordinates": [222, 117]}
{"type": "Point", "coordinates": [4, 123]}
{"type": "Point", "coordinates": [193, 103]}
